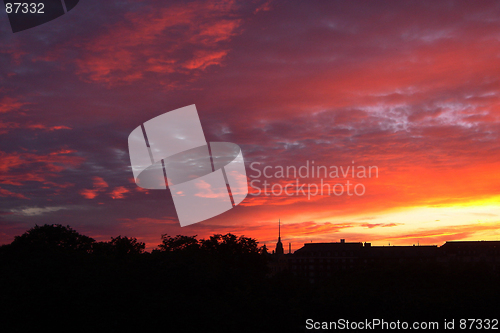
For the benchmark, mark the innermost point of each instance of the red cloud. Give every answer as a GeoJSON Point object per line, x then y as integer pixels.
{"type": "Point", "coordinates": [8, 104]}
{"type": "Point", "coordinates": [6, 193]}
{"type": "Point", "coordinates": [181, 38]}
{"type": "Point", "coordinates": [383, 225]}
{"type": "Point", "coordinates": [19, 168]}
{"type": "Point", "coordinates": [119, 192]}
{"type": "Point", "coordinates": [99, 185]}
{"type": "Point", "coordinates": [88, 194]}
{"type": "Point", "coordinates": [203, 59]}
{"type": "Point", "coordinates": [51, 128]}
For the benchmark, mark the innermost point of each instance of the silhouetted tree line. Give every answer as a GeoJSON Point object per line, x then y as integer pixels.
{"type": "Point", "coordinates": [52, 276]}
{"type": "Point", "coordinates": [55, 279]}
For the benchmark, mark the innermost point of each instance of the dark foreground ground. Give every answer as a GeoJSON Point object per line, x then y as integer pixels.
{"type": "Point", "coordinates": [216, 285]}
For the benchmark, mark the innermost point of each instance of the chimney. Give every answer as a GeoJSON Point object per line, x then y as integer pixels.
{"type": "Point", "coordinates": [342, 240]}
{"type": "Point", "coordinates": [289, 248]}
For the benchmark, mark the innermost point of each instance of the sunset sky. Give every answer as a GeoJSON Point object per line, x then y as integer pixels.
{"type": "Point", "coordinates": [410, 87]}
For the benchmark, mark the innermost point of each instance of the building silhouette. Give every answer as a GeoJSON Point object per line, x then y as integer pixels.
{"type": "Point", "coordinates": [480, 252]}
{"type": "Point", "coordinates": [320, 261]}
{"type": "Point", "coordinates": [278, 260]}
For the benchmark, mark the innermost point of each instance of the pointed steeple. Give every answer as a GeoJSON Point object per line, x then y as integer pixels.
{"type": "Point", "coordinates": [279, 245]}
{"type": "Point", "coordinates": [279, 229]}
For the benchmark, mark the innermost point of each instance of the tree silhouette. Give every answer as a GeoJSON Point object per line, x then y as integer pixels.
{"type": "Point", "coordinates": [120, 246]}
{"type": "Point", "coordinates": [52, 238]}
{"type": "Point", "coordinates": [230, 244]}
{"type": "Point", "coordinates": [178, 243]}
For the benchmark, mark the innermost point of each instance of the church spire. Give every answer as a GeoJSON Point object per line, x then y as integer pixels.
{"type": "Point", "coordinates": [279, 245]}
{"type": "Point", "coordinates": [279, 229]}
